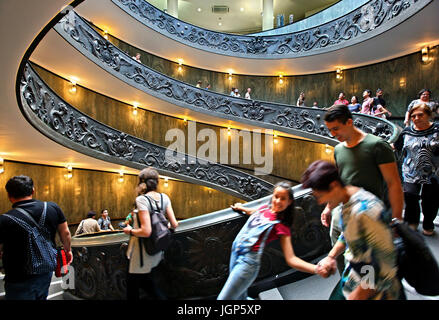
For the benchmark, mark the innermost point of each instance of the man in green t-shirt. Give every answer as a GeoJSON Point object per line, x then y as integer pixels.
{"type": "Point", "coordinates": [363, 160]}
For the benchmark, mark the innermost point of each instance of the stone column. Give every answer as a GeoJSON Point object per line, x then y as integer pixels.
{"type": "Point", "coordinates": [172, 7]}
{"type": "Point", "coordinates": [267, 17]}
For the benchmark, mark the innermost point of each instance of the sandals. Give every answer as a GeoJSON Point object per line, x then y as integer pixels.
{"type": "Point", "coordinates": [428, 233]}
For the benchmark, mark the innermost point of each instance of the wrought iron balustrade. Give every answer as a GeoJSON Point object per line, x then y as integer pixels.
{"type": "Point", "coordinates": [369, 20]}
{"type": "Point", "coordinates": [301, 121]}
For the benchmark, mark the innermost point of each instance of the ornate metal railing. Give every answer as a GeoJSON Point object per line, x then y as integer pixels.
{"type": "Point", "coordinates": [301, 121]}
{"type": "Point", "coordinates": [196, 264]}
{"type": "Point", "coordinates": [68, 126]}
{"type": "Point", "coordinates": [367, 21]}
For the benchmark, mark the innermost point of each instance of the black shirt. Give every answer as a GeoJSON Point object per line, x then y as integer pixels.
{"type": "Point", "coordinates": [378, 101]}
{"type": "Point", "coordinates": [14, 238]}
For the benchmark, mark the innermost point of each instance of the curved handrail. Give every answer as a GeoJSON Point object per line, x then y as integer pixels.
{"type": "Point", "coordinates": [195, 265]}
{"type": "Point", "coordinates": [367, 21]}
{"type": "Point", "coordinates": [300, 121]}
{"type": "Point", "coordinates": [61, 122]}
{"type": "Point", "coordinates": [334, 11]}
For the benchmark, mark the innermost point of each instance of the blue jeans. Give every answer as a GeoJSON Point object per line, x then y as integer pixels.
{"type": "Point", "coordinates": [243, 271]}
{"type": "Point", "coordinates": [34, 288]}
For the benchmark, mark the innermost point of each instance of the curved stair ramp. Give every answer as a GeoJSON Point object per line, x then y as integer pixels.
{"type": "Point", "coordinates": [300, 121]}
{"type": "Point", "coordinates": [195, 266]}
{"type": "Point", "coordinates": [61, 122]}
{"type": "Point", "coordinates": [366, 21]}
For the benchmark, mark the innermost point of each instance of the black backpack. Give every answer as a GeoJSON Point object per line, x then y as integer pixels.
{"type": "Point", "coordinates": [41, 252]}
{"type": "Point", "coordinates": [416, 263]}
{"type": "Point", "coordinates": [160, 237]}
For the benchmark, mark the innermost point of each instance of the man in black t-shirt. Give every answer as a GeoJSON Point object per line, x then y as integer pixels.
{"type": "Point", "coordinates": [19, 284]}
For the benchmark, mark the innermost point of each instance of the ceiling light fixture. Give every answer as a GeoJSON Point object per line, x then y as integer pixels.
{"type": "Point", "coordinates": [199, 9]}
{"type": "Point", "coordinates": [2, 162]}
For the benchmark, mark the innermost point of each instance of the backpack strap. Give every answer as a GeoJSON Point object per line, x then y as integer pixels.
{"type": "Point", "coordinates": [27, 226]}
{"type": "Point", "coordinates": [156, 203]}
{"type": "Point", "coordinates": [42, 218]}
{"type": "Point", "coordinates": [138, 222]}
{"type": "Point", "coordinates": [140, 241]}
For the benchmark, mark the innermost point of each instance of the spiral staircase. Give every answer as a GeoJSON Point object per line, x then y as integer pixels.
{"type": "Point", "coordinates": [64, 39]}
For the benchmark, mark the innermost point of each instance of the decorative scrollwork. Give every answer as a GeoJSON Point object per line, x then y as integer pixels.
{"type": "Point", "coordinates": [295, 120]}
{"type": "Point", "coordinates": [100, 139]}
{"type": "Point", "coordinates": [196, 263]}
{"type": "Point", "coordinates": [374, 15]}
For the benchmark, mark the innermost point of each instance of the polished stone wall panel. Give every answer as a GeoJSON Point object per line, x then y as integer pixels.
{"type": "Point", "coordinates": [322, 87]}
{"type": "Point", "coordinates": [95, 190]}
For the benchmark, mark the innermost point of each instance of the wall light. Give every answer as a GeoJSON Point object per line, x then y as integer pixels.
{"type": "Point", "coordinates": [180, 64]}
{"type": "Point", "coordinates": [135, 106]}
{"type": "Point", "coordinates": [402, 83]}
{"type": "Point", "coordinates": [2, 162]}
{"type": "Point", "coordinates": [425, 55]}
{"type": "Point", "coordinates": [230, 76]}
{"type": "Point", "coordinates": [121, 179]}
{"type": "Point", "coordinates": [106, 34]}
{"type": "Point", "coordinates": [281, 80]}
{"type": "Point", "coordinates": [229, 133]}
{"type": "Point", "coordinates": [166, 184]}
{"type": "Point", "coordinates": [69, 174]}
{"type": "Point", "coordinates": [275, 139]}
{"type": "Point", "coordinates": [328, 149]}
{"type": "Point", "coordinates": [338, 74]}
{"type": "Point", "coordinates": [72, 88]}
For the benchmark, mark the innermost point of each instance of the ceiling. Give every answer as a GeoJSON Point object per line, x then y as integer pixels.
{"type": "Point", "coordinates": [244, 16]}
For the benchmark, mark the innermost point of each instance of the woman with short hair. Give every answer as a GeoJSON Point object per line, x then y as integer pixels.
{"type": "Point", "coordinates": [424, 96]}
{"type": "Point", "coordinates": [419, 144]}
